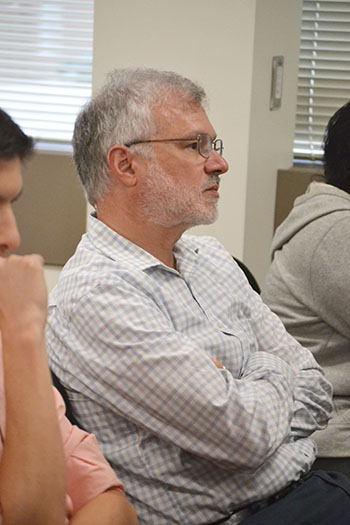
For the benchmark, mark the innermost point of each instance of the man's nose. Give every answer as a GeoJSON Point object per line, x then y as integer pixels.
{"type": "Point", "coordinates": [9, 234]}
{"type": "Point", "coordinates": [216, 163]}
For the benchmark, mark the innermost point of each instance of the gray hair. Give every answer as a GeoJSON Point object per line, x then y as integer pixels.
{"type": "Point", "coordinates": [121, 113]}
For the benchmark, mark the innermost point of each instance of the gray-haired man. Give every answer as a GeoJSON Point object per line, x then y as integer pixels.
{"type": "Point", "coordinates": [198, 396]}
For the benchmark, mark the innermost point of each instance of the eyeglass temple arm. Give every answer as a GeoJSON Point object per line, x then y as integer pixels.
{"type": "Point", "coordinates": [127, 144]}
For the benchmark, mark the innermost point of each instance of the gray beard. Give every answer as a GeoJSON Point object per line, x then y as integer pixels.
{"type": "Point", "coordinates": [164, 203]}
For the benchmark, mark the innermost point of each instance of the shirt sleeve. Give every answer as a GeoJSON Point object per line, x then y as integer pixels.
{"type": "Point", "coordinates": [312, 393]}
{"type": "Point", "coordinates": [169, 385]}
{"type": "Point", "coordinates": [88, 474]}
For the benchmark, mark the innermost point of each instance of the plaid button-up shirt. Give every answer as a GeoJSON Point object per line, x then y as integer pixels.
{"type": "Point", "coordinates": [132, 340]}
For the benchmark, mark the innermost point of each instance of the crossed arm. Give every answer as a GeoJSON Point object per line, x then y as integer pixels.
{"type": "Point", "coordinates": [168, 383]}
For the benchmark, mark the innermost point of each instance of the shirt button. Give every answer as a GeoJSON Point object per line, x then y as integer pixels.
{"type": "Point", "coordinates": [220, 325]}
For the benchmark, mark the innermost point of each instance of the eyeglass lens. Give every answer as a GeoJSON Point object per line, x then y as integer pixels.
{"type": "Point", "coordinates": [206, 144]}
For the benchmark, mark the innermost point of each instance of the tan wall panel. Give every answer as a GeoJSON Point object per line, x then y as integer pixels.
{"type": "Point", "coordinates": [290, 184]}
{"type": "Point", "coordinates": [51, 213]}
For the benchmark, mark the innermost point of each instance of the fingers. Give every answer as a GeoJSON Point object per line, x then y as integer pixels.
{"type": "Point", "coordinates": [33, 259]}
{"type": "Point", "coordinates": [23, 294]}
{"type": "Point", "coordinates": [25, 271]}
{"type": "Point", "coordinates": [217, 363]}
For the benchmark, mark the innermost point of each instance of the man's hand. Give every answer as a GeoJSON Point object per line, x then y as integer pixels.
{"type": "Point", "coordinates": [23, 296]}
{"type": "Point", "coordinates": [33, 446]}
{"type": "Point", "coordinates": [217, 363]}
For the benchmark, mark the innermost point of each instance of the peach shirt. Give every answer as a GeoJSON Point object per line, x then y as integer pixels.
{"type": "Point", "coordinates": [87, 472]}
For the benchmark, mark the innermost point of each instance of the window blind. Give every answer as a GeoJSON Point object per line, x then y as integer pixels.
{"type": "Point", "coordinates": [324, 72]}
{"type": "Point", "coordinates": [45, 64]}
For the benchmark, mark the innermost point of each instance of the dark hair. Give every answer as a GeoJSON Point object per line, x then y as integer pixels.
{"type": "Point", "coordinates": [13, 141]}
{"type": "Point", "coordinates": [336, 145]}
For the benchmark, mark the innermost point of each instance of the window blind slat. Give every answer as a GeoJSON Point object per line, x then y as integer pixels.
{"type": "Point", "coordinates": [324, 71]}
{"type": "Point", "coordinates": [45, 64]}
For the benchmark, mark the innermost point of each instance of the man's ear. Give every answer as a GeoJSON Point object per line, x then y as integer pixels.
{"type": "Point", "coordinates": [121, 164]}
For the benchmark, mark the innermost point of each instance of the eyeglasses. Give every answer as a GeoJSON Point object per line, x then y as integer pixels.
{"type": "Point", "coordinates": [204, 144]}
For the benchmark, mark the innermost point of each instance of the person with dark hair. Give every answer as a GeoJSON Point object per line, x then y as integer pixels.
{"type": "Point", "coordinates": [50, 471]}
{"type": "Point", "coordinates": [193, 387]}
{"type": "Point", "coordinates": [306, 285]}
{"type": "Point", "coordinates": [336, 142]}
{"type": "Point", "coordinates": [14, 142]}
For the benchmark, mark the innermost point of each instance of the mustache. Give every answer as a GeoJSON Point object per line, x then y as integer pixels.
{"type": "Point", "coordinates": [213, 180]}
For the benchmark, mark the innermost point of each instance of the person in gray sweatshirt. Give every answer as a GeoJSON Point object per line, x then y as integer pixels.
{"type": "Point", "coordinates": [308, 283]}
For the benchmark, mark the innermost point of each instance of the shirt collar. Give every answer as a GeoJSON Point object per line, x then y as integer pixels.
{"type": "Point", "coordinates": [117, 247]}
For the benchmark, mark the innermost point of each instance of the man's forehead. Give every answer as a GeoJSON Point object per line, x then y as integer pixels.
{"type": "Point", "coordinates": [173, 103]}
{"type": "Point", "coordinates": [176, 113]}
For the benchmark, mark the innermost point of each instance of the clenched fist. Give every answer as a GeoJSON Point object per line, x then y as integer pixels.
{"type": "Point", "coordinates": [23, 296]}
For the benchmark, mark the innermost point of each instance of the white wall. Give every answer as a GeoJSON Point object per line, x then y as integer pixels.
{"type": "Point", "coordinates": [51, 276]}
{"type": "Point", "coordinates": [227, 46]}
{"type": "Point", "coordinates": [277, 29]}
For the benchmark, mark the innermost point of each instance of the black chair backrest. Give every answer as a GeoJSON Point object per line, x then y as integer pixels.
{"type": "Point", "coordinates": [251, 279]}
{"type": "Point", "coordinates": [69, 411]}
